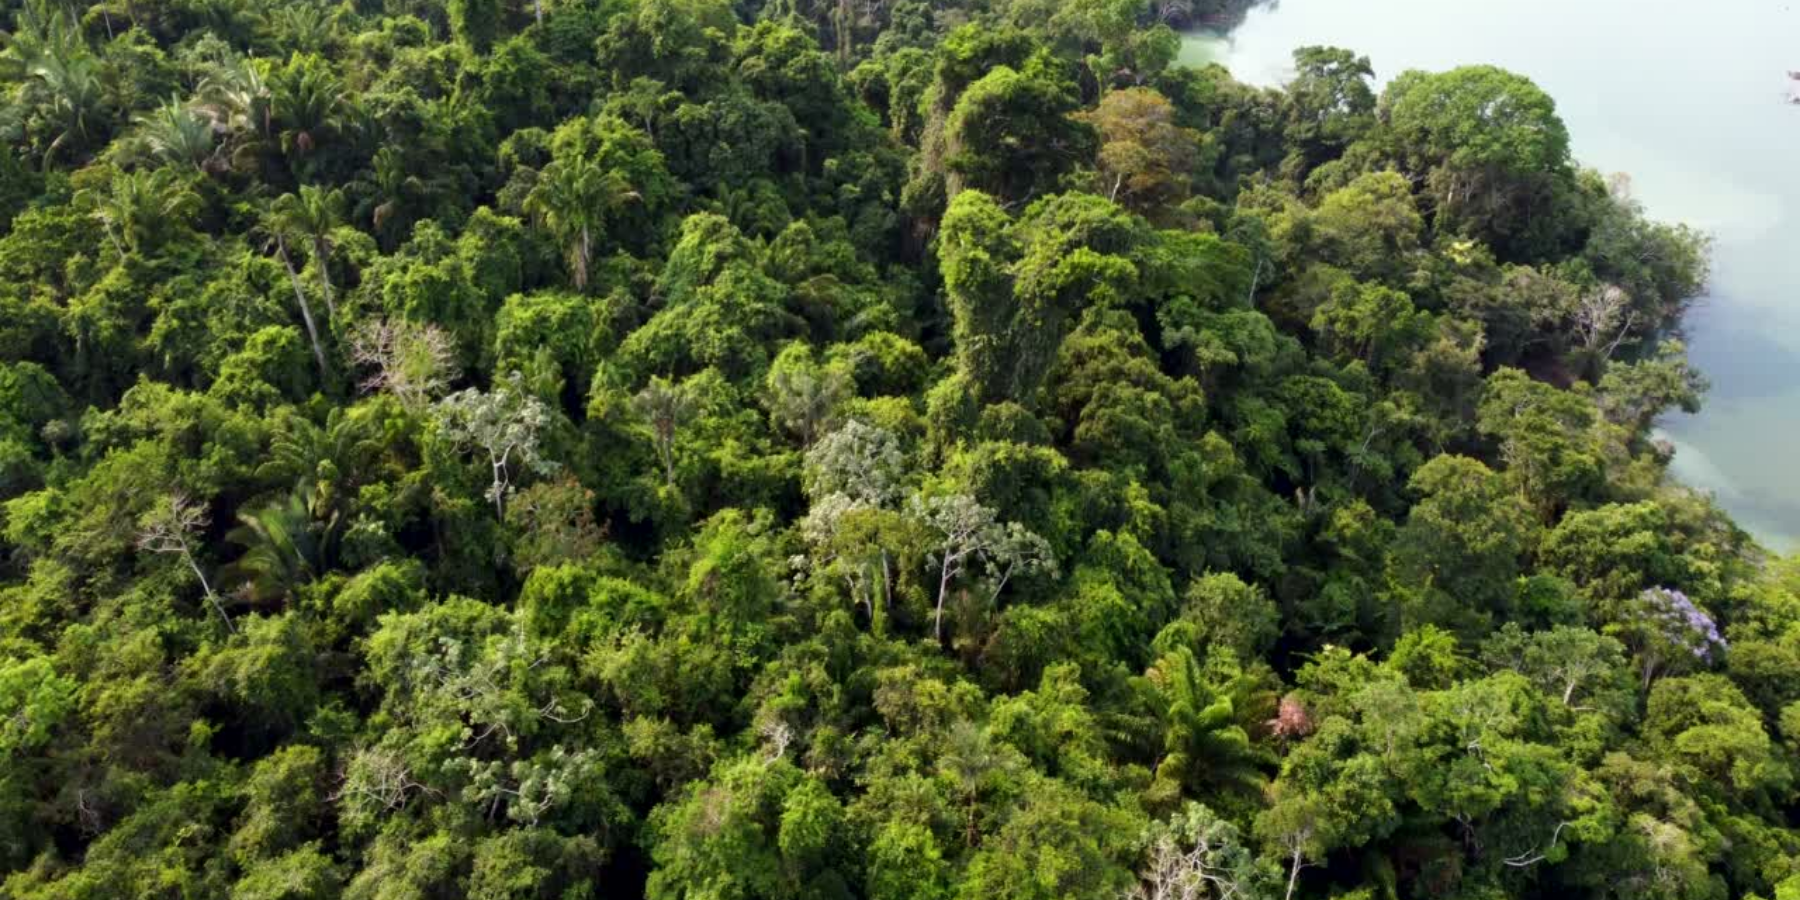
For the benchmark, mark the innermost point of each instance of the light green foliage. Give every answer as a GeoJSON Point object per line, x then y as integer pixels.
{"type": "Point", "coordinates": [1016, 284]}
{"type": "Point", "coordinates": [1546, 438]}
{"type": "Point", "coordinates": [812, 450]}
{"type": "Point", "coordinates": [1226, 612]}
{"type": "Point", "coordinates": [36, 701]}
{"type": "Point", "coordinates": [1370, 227]}
{"type": "Point", "coordinates": [1704, 721]}
{"type": "Point", "coordinates": [1058, 844]}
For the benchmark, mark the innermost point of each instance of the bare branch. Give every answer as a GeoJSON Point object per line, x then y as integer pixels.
{"type": "Point", "coordinates": [171, 529]}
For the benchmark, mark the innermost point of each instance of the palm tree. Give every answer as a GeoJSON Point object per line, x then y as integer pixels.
{"type": "Point", "coordinates": [1204, 747]}
{"type": "Point", "coordinates": [37, 32]}
{"type": "Point", "coordinates": [75, 96]}
{"type": "Point", "coordinates": [276, 232]}
{"type": "Point", "coordinates": [572, 199]}
{"type": "Point", "coordinates": [666, 406]}
{"type": "Point", "coordinates": [286, 544]}
{"type": "Point", "coordinates": [239, 98]}
{"type": "Point", "coordinates": [242, 105]}
{"type": "Point", "coordinates": [46, 51]}
{"type": "Point", "coordinates": [138, 208]}
{"type": "Point", "coordinates": [307, 101]}
{"type": "Point", "coordinates": [177, 134]}
{"type": "Point", "coordinates": [309, 216]}
{"type": "Point", "coordinates": [303, 27]}
{"type": "Point", "coordinates": [971, 760]}
{"type": "Point", "coordinates": [391, 187]}
{"type": "Point", "coordinates": [334, 458]}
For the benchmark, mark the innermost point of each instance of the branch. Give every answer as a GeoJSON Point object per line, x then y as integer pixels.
{"type": "Point", "coordinates": [1530, 857]}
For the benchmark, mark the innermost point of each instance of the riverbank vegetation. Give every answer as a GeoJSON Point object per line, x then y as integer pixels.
{"type": "Point", "coordinates": [668, 448]}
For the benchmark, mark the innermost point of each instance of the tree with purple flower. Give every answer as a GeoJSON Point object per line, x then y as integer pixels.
{"type": "Point", "coordinates": [1668, 629]}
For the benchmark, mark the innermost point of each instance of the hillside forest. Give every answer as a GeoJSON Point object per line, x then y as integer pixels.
{"type": "Point", "coordinates": [887, 449]}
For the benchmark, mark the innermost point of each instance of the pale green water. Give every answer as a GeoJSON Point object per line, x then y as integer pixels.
{"type": "Point", "coordinates": [1690, 100]}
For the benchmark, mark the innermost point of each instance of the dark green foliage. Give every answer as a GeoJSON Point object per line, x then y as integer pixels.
{"type": "Point", "coordinates": [795, 449]}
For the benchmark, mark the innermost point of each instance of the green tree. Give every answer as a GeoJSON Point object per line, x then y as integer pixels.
{"type": "Point", "coordinates": [176, 133]}
{"type": "Point", "coordinates": [1010, 133]}
{"type": "Point", "coordinates": [274, 225]}
{"type": "Point", "coordinates": [571, 200]}
{"type": "Point", "coordinates": [1205, 749]}
{"type": "Point", "coordinates": [1460, 551]}
{"type": "Point", "coordinates": [1329, 102]}
{"type": "Point", "coordinates": [287, 544]}
{"type": "Point", "coordinates": [309, 217]}
{"type": "Point", "coordinates": [141, 210]}
{"type": "Point", "coordinates": [476, 23]}
{"type": "Point", "coordinates": [665, 406]}
{"type": "Point", "coordinates": [1488, 142]}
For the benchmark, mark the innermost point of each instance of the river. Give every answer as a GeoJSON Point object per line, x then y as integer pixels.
{"type": "Point", "coordinates": [1690, 101]}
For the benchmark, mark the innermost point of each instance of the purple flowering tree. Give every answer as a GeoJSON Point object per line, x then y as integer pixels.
{"type": "Point", "coordinates": [1671, 631]}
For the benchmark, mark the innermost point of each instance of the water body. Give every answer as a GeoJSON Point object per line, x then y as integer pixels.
{"type": "Point", "coordinates": [1691, 102]}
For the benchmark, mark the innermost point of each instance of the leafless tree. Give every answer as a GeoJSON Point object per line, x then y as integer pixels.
{"type": "Point", "coordinates": [1196, 856]}
{"type": "Point", "coordinates": [413, 362]}
{"type": "Point", "coordinates": [377, 781]}
{"type": "Point", "coordinates": [1174, 873]}
{"type": "Point", "coordinates": [171, 528]}
{"type": "Point", "coordinates": [779, 736]}
{"type": "Point", "coordinates": [1534, 855]}
{"type": "Point", "coordinates": [1603, 318]}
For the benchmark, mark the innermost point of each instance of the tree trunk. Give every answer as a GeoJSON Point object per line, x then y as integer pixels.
{"type": "Point", "coordinates": [1293, 874]}
{"type": "Point", "coordinates": [312, 331]}
{"type": "Point", "coordinates": [211, 597]}
{"type": "Point", "coordinates": [114, 238]}
{"type": "Point", "coordinates": [844, 34]}
{"type": "Point", "coordinates": [937, 628]}
{"type": "Point", "coordinates": [537, 7]}
{"type": "Point", "coordinates": [581, 261]}
{"type": "Point", "coordinates": [325, 280]}
{"type": "Point", "coordinates": [500, 491]}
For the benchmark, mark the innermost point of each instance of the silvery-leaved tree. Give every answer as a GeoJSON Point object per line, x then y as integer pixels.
{"type": "Point", "coordinates": [506, 425]}
{"type": "Point", "coordinates": [860, 461]}
{"type": "Point", "coordinates": [1197, 855]}
{"type": "Point", "coordinates": [968, 535]}
{"type": "Point", "coordinates": [855, 477]}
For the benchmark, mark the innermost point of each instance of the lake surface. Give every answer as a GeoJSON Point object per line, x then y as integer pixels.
{"type": "Point", "coordinates": [1690, 101]}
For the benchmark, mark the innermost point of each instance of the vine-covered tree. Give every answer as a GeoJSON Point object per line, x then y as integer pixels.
{"type": "Point", "coordinates": [823, 450]}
